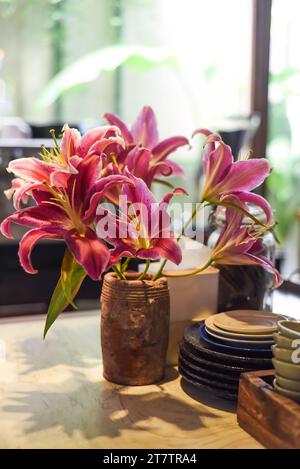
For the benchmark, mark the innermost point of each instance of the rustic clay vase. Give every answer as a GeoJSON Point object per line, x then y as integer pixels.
{"type": "Point", "coordinates": [135, 317]}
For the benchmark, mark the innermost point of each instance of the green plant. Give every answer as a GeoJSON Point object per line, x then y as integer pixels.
{"type": "Point", "coordinates": [108, 59]}
{"type": "Point", "coordinates": [283, 185]}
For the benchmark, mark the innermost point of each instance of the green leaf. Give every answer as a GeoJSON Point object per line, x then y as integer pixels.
{"type": "Point", "coordinates": [283, 186]}
{"type": "Point", "coordinates": [71, 278]}
{"type": "Point", "coordinates": [108, 59]}
{"type": "Point", "coordinates": [284, 75]}
{"type": "Point", "coordinates": [68, 266]}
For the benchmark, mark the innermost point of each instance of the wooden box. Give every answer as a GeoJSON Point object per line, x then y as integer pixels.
{"type": "Point", "coordinates": [272, 419]}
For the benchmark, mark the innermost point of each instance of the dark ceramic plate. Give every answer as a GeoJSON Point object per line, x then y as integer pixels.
{"type": "Point", "coordinates": [213, 376]}
{"type": "Point", "coordinates": [193, 357]}
{"type": "Point", "coordinates": [257, 352]}
{"type": "Point", "coordinates": [209, 381]}
{"type": "Point", "coordinates": [222, 393]}
{"type": "Point", "coordinates": [197, 345]}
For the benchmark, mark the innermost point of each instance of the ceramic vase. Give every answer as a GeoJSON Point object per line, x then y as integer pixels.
{"type": "Point", "coordinates": [135, 317]}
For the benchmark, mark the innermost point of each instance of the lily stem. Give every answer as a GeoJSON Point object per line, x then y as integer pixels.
{"type": "Point", "coordinates": [194, 272]}
{"type": "Point", "coordinates": [125, 264]}
{"type": "Point", "coordinates": [186, 225]}
{"type": "Point", "coordinates": [143, 274]}
{"type": "Point", "coordinates": [241, 209]}
{"type": "Point", "coordinates": [120, 274]}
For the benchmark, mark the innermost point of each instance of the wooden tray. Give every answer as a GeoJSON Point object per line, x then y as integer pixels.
{"type": "Point", "coordinates": [272, 419]}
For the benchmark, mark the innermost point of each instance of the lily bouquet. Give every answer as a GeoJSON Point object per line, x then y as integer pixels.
{"type": "Point", "coordinates": [94, 192]}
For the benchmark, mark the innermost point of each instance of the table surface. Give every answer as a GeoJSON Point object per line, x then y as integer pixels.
{"type": "Point", "coordinates": [52, 395]}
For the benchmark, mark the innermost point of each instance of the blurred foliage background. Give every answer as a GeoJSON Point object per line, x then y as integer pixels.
{"type": "Point", "coordinates": [73, 60]}
{"type": "Point", "coordinates": [284, 104]}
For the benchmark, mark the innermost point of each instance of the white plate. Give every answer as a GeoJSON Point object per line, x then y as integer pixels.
{"type": "Point", "coordinates": [227, 340]}
{"type": "Point", "coordinates": [209, 323]}
{"type": "Point", "coordinates": [248, 321]}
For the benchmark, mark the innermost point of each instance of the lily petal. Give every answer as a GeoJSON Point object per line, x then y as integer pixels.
{"type": "Point", "coordinates": [106, 145]}
{"type": "Point", "coordinates": [115, 227]}
{"type": "Point", "coordinates": [31, 169]}
{"type": "Point", "coordinates": [209, 144]}
{"type": "Point", "coordinates": [60, 177]}
{"type": "Point", "coordinates": [256, 199]}
{"type": "Point", "coordinates": [250, 259]}
{"type": "Point", "coordinates": [91, 137]}
{"type": "Point", "coordinates": [176, 169]}
{"type": "Point", "coordinates": [164, 168]}
{"type": "Point", "coordinates": [121, 250]}
{"type": "Point", "coordinates": [45, 217]}
{"type": "Point", "coordinates": [89, 251]}
{"type": "Point", "coordinates": [245, 175]}
{"type": "Point", "coordinates": [165, 248]}
{"type": "Point", "coordinates": [160, 219]}
{"type": "Point", "coordinates": [81, 185]}
{"type": "Point", "coordinates": [267, 265]}
{"type": "Point", "coordinates": [165, 147]}
{"type": "Point", "coordinates": [232, 225]}
{"type": "Point", "coordinates": [115, 120]}
{"type": "Point", "coordinates": [98, 191]}
{"type": "Point", "coordinates": [166, 199]}
{"type": "Point", "coordinates": [137, 191]}
{"type": "Point", "coordinates": [206, 133]}
{"type": "Point", "coordinates": [138, 162]}
{"type": "Point", "coordinates": [218, 164]}
{"type": "Point", "coordinates": [28, 242]}
{"type": "Point", "coordinates": [20, 191]}
{"type": "Point", "coordinates": [69, 143]}
{"type": "Point", "coordinates": [144, 130]}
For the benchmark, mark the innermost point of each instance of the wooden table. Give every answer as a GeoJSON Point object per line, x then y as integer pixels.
{"type": "Point", "coordinates": [52, 395]}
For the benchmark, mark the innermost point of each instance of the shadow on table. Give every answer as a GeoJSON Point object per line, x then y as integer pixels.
{"type": "Point", "coordinates": [37, 354]}
{"type": "Point", "coordinates": [207, 398]}
{"type": "Point", "coordinates": [107, 410]}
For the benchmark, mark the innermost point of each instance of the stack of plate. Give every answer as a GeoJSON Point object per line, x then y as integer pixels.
{"type": "Point", "coordinates": [214, 353]}
{"type": "Point", "coordinates": [286, 359]}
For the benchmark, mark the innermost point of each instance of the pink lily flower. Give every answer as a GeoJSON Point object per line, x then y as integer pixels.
{"type": "Point", "coordinates": [18, 191]}
{"type": "Point", "coordinates": [60, 162]}
{"type": "Point", "coordinates": [31, 173]}
{"type": "Point", "coordinates": [142, 231]}
{"type": "Point", "coordinates": [94, 141]}
{"type": "Point", "coordinates": [60, 213]}
{"type": "Point", "coordinates": [149, 157]}
{"type": "Point", "coordinates": [224, 176]}
{"type": "Point", "coordinates": [54, 168]}
{"type": "Point", "coordinates": [240, 245]}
